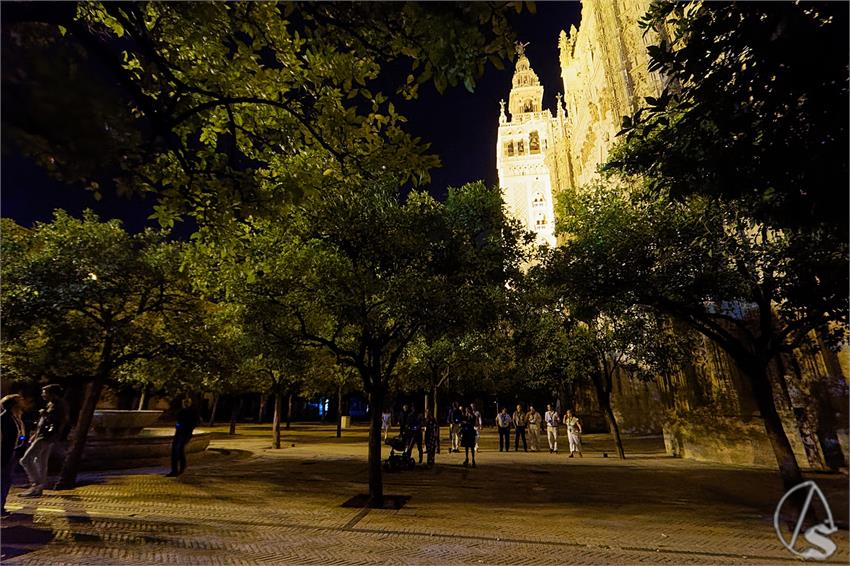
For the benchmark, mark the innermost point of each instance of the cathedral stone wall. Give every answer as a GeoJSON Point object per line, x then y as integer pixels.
{"type": "Point", "coordinates": [604, 69]}
{"type": "Point", "coordinates": [706, 411]}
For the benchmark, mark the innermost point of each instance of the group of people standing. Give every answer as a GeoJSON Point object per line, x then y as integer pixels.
{"type": "Point", "coordinates": [530, 421]}
{"type": "Point", "coordinates": [465, 422]}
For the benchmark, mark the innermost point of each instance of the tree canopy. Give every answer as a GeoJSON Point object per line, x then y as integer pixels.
{"type": "Point", "coordinates": [758, 293]}
{"type": "Point", "coordinates": [755, 108]}
{"type": "Point", "coordinates": [83, 298]}
{"type": "Point", "coordinates": [228, 110]}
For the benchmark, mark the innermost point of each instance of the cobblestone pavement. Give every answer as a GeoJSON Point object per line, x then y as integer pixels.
{"type": "Point", "coordinates": [243, 503]}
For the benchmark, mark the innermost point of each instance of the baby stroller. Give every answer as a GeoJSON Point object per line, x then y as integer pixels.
{"type": "Point", "coordinates": [400, 458]}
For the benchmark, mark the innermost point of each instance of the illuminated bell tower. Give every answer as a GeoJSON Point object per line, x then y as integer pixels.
{"type": "Point", "coordinates": [524, 141]}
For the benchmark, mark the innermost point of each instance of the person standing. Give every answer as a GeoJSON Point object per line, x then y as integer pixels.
{"type": "Point", "coordinates": [414, 430]}
{"type": "Point", "coordinates": [552, 421]}
{"type": "Point", "coordinates": [187, 420]}
{"type": "Point", "coordinates": [467, 436]}
{"type": "Point", "coordinates": [503, 422]}
{"type": "Point", "coordinates": [432, 437]}
{"type": "Point", "coordinates": [455, 418]}
{"type": "Point", "coordinates": [573, 425]}
{"type": "Point", "coordinates": [48, 432]}
{"type": "Point", "coordinates": [478, 423]}
{"type": "Point", "coordinates": [533, 419]}
{"type": "Point", "coordinates": [520, 421]}
{"type": "Point", "coordinates": [403, 421]}
{"type": "Point", "coordinates": [13, 437]}
{"type": "Point", "coordinates": [386, 417]}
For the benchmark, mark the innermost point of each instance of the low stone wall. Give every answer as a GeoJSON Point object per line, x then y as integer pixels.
{"type": "Point", "coordinates": [130, 452]}
{"type": "Point", "coordinates": [726, 442]}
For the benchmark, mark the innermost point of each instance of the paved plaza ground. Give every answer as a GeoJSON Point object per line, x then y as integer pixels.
{"type": "Point", "coordinates": [243, 503]}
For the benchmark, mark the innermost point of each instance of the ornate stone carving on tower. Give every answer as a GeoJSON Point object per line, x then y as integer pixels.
{"type": "Point", "coordinates": [525, 156]}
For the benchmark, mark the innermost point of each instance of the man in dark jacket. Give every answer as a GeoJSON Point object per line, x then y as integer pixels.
{"type": "Point", "coordinates": [187, 420]}
{"type": "Point", "coordinates": [51, 423]}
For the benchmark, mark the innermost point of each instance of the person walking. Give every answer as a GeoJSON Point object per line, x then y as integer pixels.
{"type": "Point", "coordinates": [533, 420]}
{"type": "Point", "coordinates": [13, 437]}
{"type": "Point", "coordinates": [478, 423]}
{"type": "Point", "coordinates": [519, 419]}
{"type": "Point", "coordinates": [48, 432]}
{"type": "Point", "coordinates": [503, 422]}
{"type": "Point", "coordinates": [187, 420]}
{"type": "Point", "coordinates": [455, 418]}
{"type": "Point", "coordinates": [552, 421]}
{"type": "Point", "coordinates": [432, 437]}
{"type": "Point", "coordinates": [467, 436]}
{"type": "Point", "coordinates": [573, 425]}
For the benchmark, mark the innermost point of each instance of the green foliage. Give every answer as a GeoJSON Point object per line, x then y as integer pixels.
{"type": "Point", "coordinates": [83, 298]}
{"type": "Point", "coordinates": [755, 109]}
{"type": "Point", "coordinates": [231, 110]}
{"type": "Point", "coordinates": [362, 272]}
{"type": "Point", "coordinates": [561, 338]}
{"type": "Point", "coordinates": [474, 361]}
{"type": "Point", "coordinates": [754, 290]}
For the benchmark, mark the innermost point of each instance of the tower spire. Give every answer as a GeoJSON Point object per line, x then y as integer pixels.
{"type": "Point", "coordinates": [527, 93]}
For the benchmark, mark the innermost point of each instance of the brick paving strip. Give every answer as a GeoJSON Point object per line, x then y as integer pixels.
{"type": "Point", "coordinates": [254, 505]}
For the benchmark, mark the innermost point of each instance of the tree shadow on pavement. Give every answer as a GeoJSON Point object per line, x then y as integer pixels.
{"type": "Point", "coordinates": [19, 536]}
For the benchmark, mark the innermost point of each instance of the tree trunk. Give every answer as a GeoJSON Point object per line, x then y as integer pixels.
{"type": "Point", "coordinates": [213, 410]}
{"type": "Point", "coordinates": [143, 399]}
{"type": "Point", "coordinates": [763, 392]}
{"type": "Point", "coordinates": [339, 412]}
{"type": "Point", "coordinates": [70, 467]}
{"type": "Point", "coordinates": [289, 412]}
{"type": "Point", "coordinates": [276, 420]}
{"type": "Point", "coordinates": [434, 401]}
{"type": "Point", "coordinates": [262, 413]}
{"type": "Point", "coordinates": [603, 397]}
{"type": "Point", "coordinates": [234, 414]}
{"type": "Point", "coordinates": [376, 480]}
{"type": "Point", "coordinates": [68, 476]}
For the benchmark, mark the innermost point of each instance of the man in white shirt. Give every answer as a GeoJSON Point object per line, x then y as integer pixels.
{"type": "Point", "coordinates": [552, 422]}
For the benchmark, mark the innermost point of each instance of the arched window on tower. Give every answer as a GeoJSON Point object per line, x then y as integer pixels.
{"type": "Point", "coordinates": [541, 220]}
{"type": "Point", "coordinates": [509, 149]}
{"type": "Point", "coordinates": [534, 142]}
{"type": "Point", "coordinates": [528, 106]}
{"type": "Point", "coordinates": [520, 147]}
{"type": "Point", "coordinates": [538, 200]}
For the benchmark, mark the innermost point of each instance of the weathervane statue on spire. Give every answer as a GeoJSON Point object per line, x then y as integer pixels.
{"type": "Point", "coordinates": [520, 48]}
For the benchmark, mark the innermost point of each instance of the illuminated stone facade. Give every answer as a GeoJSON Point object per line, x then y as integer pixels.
{"type": "Point", "coordinates": [525, 159]}
{"type": "Point", "coordinates": [707, 411]}
{"type": "Point", "coordinates": [604, 69]}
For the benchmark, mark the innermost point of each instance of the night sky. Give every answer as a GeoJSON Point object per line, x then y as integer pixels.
{"type": "Point", "coordinates": [461, 126]}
